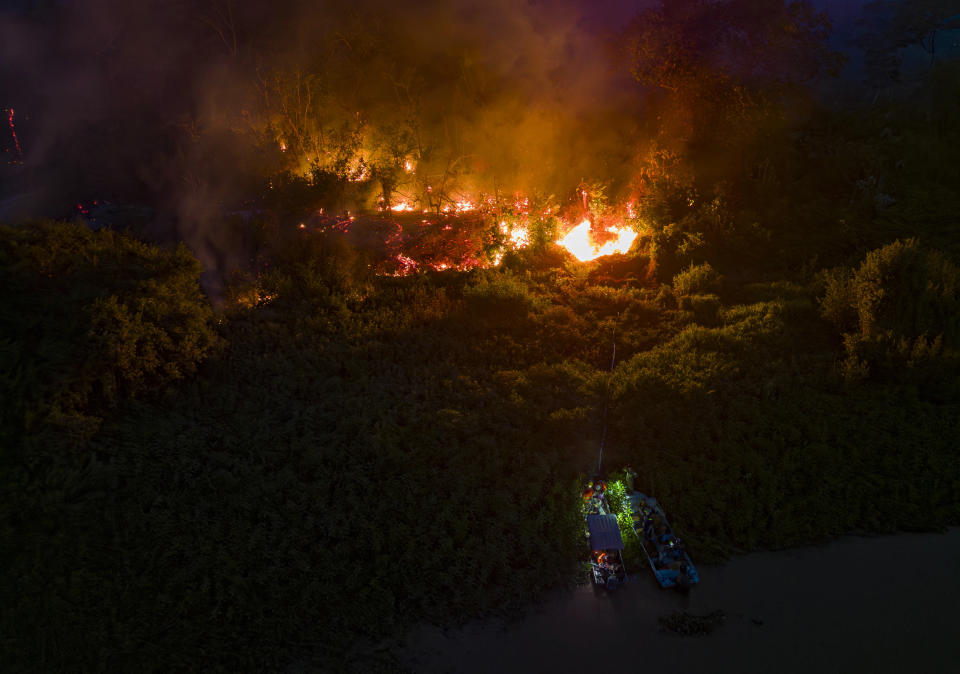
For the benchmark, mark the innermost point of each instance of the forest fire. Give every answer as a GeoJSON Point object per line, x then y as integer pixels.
{"type": "Point", "coordinates": [582, 245]}
{"type": "Point", "coordinates": [439, 244]}
{"type": "Point", "coordinates": [480, 230]}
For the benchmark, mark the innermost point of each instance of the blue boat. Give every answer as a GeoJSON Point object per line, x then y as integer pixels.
{"type": "Point", "coordinates": [668, 558]}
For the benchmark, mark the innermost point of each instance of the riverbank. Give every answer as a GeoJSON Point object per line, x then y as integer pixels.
{"type": "Point", "coordinates": [873, 604]}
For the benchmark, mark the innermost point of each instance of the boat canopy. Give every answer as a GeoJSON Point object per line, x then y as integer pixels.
{"type": "Point", "coordinates": [604, 532]}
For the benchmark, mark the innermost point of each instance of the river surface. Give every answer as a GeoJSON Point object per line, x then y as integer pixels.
{"type": "Point", "coordinates": [879, 604]}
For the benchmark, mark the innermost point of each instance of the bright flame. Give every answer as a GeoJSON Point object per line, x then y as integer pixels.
{"type": "Point", "coordinates": [462, 206]}
{"type": "Point", "coordinates": [409, 166]}
{"type": "Point", "coordinates": [519, 237]}
{"type": "Point", "coordinates": [359, 174]}
{"type": "Point", "coordinates": [579, 242]}
{"type": "Point", "coordinates": [401, 207]}
{"type": "Point", "coordinates": [283, 146]}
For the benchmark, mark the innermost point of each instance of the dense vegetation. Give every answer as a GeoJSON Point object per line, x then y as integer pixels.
{"type": "Point", "coordinates": [331, 455]}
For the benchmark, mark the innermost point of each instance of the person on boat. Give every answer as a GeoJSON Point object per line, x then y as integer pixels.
{"type": "Point", "coordinates": [648, 528]}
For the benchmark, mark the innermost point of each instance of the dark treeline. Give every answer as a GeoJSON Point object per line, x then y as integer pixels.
{"type": "Point", "coordinates": [291, 478]}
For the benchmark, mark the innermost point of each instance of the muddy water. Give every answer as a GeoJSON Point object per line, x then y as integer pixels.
{"type": "Point", "coordinates": [887, 604]}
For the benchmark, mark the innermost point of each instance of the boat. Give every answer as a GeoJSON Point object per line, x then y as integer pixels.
{"type": "Point", "coordinates": [606, 551]}
{"type": "Point", "coordinates": [606, 543]}
{"type": "Point", "coordinates": [665, 552]}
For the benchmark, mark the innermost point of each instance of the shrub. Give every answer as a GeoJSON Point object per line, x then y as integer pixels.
{"type": "Point", "coordinates": [499, 294]}
{"type": "Point", "coordinates": [705, 308]}
{"type": "Point", "coordinates": [666, 297]}
{"type": "Point", "coordinates": [838, 304]}
{"type": "Point", "coordinates": [696, 279]}
{"type": "Point", "coordinates": [93, 317]}
{"type": "Point", "coordinates": [900, 307]}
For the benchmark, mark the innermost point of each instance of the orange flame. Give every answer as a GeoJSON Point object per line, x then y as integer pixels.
{"type": "Point", "coordinates": [581, 244]}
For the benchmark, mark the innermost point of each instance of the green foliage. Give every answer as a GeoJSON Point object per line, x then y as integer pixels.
{"type": "Point", "coordinates": [696, 279]}
{"type": "Point", "coordinates": [595, 196]}
{"type": "Point", "coordinates": [543, 232]}
{"type": "Point", "coordinates": [291, 479]}
{"type": "Point", "coordinates": [616, 496]}
{"type": "Point", "coordinates": [705, 309]}
{"type": "Point", "coordinates": [899, 308]}
{"type": "Point", "coordinates": [318, 272]}
{"type": "Point", "coordinates": [90, 318]}
{"type": "Point", "coordinates": [750, 438]}
{"type": "Point", "coordinates": [499, 295]}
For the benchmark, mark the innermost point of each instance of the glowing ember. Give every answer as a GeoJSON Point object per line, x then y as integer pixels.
{"type": "Point", "coordinates": [405, 265]}
{"type": "Point", "coordinates": [462, 206]}
{"type": "Point", "coordinates": [579, 242]}
{"type": "Point", "coordinates": [13, 133]}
